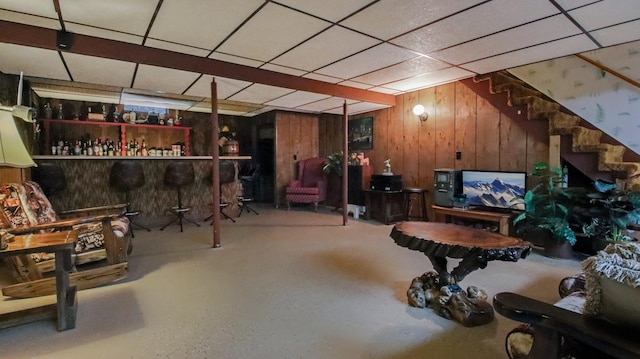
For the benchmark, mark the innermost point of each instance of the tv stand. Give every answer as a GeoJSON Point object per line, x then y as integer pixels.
{"type": "Point", "coordinates": [446, 214]}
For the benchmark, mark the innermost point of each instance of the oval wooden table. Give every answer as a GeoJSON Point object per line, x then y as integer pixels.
{"type": "Point", "coordinates": [440, 289]}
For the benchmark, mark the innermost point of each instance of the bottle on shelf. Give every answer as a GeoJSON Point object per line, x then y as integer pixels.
{"type": "Point", "coordinates": [143, 151]}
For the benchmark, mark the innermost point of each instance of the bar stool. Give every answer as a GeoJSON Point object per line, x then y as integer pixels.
{"type": "Point", "coordinates": [409, 192]}
{"type": "Point", "coordinates": [179, 174]}
{"type": "Point", "coordinates": [50, 177]}
{"type": "Point", "coordinates": [127, 176]}
{"type": "Point", "coordinates": [248, 176]}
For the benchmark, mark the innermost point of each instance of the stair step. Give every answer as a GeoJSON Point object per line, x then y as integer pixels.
{"type": "Point", "coordinates": [584, 136]}
{"type": "Point", "coordinates": [537, 108]}
{"type": "Point", "coordinates": [562, 124]}
{"type": "Point", "coordinates": [628, 169]}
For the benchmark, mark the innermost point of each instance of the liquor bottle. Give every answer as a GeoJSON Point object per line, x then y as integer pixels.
{"type": "Point", "coordinates": [111, 150]}
{"type": "Point", "coordinates": [77, 149]}
{"type": "Point", "coordinates": [90, 148]}
{"type": "Point", "coordinates": [97, 147]}
{"type": "Point", "coordinates": [60, 112]}
{"type": "Point", "coordinates": [105, 147]}
{"type": "Point", "coordinates": [143, 151]}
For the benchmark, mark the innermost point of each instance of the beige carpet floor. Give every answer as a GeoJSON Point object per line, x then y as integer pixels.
{"type": "Point", "coordinates": [285, 284]}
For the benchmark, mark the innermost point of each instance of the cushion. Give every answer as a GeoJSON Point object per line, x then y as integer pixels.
{"type": "Point", "coordinates": [613, 278]}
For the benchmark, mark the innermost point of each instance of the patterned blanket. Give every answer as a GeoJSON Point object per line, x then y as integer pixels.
{"type": "Point", "coordinates": [24, 205]}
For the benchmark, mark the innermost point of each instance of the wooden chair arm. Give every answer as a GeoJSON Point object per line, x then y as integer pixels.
{"type": "Point", "coordinates": [118, 209]}
{"type": "Point", "coordinates": [599, 334]}
{"type": "Point", "coordinates": [61, 224]}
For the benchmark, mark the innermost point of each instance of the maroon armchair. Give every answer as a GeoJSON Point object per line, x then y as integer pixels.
{"type": "Point", "coordinates": [311, 185]}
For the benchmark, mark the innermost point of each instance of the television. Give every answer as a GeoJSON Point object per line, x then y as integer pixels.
{"type": "Point", "coordinates": [494, 189]}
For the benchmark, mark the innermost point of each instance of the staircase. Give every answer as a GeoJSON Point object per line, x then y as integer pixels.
{"type": "Point", "coordinates": [583, 139]}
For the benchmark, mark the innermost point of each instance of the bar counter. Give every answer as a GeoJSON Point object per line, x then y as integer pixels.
{"type": "Point", "coordinates": [88, 185]}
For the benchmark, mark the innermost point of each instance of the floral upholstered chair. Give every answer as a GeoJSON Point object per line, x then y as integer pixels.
{"type": "Point", "coordinates": [311, 185]}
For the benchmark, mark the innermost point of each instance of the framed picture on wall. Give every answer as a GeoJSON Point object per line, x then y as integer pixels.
{"type": "Point", "coordinates": [361, 134]}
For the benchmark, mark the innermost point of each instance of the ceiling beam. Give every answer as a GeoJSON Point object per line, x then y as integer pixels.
{"type": "Point", "coordinates": [33, 36]}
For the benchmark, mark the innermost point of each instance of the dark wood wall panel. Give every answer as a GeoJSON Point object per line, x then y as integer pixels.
{"type": "Point", "coordinates": [487, 135]}
{"type": "Point", "coordinates": [445, 128]}
{"type": "Point", "coordinates": [296, 139]}
{"type": "Point", "coordinates": [411, 148]}
{"type": "Point", "coordinates": [460, 119]}
{"type": "Point", "coordinates": [465, 127]}
{"type": "Point", "coordinates": [513, 146]}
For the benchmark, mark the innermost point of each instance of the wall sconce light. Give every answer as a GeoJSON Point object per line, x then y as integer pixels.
{"type": "Point", "coordinates": [420, 111]}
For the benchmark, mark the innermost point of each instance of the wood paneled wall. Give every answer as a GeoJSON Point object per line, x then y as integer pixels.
{"type": "Point", "coordinates": [488, 137]}
{"type": "Point", "coordinates": [297, 138]}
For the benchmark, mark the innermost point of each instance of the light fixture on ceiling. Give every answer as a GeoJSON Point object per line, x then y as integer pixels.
{"type": "Point", "coordinates": [420, 111]}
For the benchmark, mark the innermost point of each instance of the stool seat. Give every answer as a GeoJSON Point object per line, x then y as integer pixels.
{"type": "Point", "coordinates": [179, 174]}
{"type": "Point", "coordinates": [128, 175]}
{"type": "Point", "coordinates": [421, 193]}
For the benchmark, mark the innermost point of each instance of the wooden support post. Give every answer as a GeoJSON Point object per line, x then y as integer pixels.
{"type": "Point", "coordinates": [554, 151]}
{"type": "Point", "coordinates": [345, 168]}
{"type": "Point", "coordinates": [215, 164]}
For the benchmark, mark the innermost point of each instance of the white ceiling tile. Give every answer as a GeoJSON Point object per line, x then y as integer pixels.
{"type": "Point", "coordinates": [258, 93]}
{"type": "Point", "coordinates": [592, 17]}
{"type": "Point", "coordinates": [132, 16]}
{"type": "Point", "coordinates": [39, 8]}
{"type": "Point", "coordinates": [162, 79]}
{"type": "Point", "coordinates": [224, 86]}
{"type": "Point", "coordinates": [568, 46]}
{"type": "Point", "coordinates": [403, 15]}
{"type": "Point", "coordinates": [324, 78]}
{"type": "Point", "coordinates": [202, 24]}
{"type": "Point", "coordinates": [176, 47]}
{"type": "Point", "coordinates": [104, 33]}
{"type": "Point", "coordinates": [431, 79]}
{"type": "Point", "coordinates": [236, 59]}
{"type": "Point", "coordinates": [325, 104]}
{"type": "Point", "coordinates": [48, 22]}
{"type": "Point", "coordinates": [96, 70]}
{"type": "Point", "coordinates": [618, 34]}
{"type": "Point", "coordinates": [369, 60]}
{"type": "Point", "coordinates": [16, 58]}
{"type": "Point", "coordinates": [419, 65]}
{"type": "Point", "coordinates": [572, 4]}
{"type": "Point", "coordinates": [329, 46]}
{"type": "Point", "coordinates": [336, 111]}
{"type": "Point", "coordinates": [534, 33]}
{"type": "Point", "coordinates": [466, 26]}
{"type": "Point", "coordinates": [332, 10]}
{"type": "Point", "coordinates": [295, 99]}
{"type": "Point", "coordinates": [283, 69]}
{"type": "Point", "coordinates": [262, 38]}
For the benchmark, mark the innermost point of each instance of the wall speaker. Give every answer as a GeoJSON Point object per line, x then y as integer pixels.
{"type": "Point", "coordinates": [64, 40]}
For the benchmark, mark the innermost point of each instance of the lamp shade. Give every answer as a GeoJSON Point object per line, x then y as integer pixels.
{"type": "Point", "coordinates": [13, 152]}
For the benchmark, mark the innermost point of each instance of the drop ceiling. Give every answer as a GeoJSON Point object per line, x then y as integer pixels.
{"type": "Point", "coordinates": [383, 46]}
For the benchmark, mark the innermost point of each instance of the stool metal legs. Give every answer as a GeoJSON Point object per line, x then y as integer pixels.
{"type": "Point", "coordinates": [130, 214]}
{"type": "Point", "coordinates": [180, 213]}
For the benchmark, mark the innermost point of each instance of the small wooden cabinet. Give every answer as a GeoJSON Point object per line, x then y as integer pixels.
{"type": "Point", "coordinates": [384, 206]}
{"type": "Point", "coordinates": [156, 135]}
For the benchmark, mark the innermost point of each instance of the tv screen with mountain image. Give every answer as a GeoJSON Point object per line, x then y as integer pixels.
{"type": "Point", "coordinates": [494, 189]}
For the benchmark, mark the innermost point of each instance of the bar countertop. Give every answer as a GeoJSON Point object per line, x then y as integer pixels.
{"type": "Point", "coordinates": [55, 157]}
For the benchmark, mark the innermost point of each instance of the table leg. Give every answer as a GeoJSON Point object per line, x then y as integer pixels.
{"type": "Point", "coordinates": [66, 297]}
{"type": "Point", "coordinates": [467, 265]}
{"type": "Point", "coordinates": [440, 266]}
